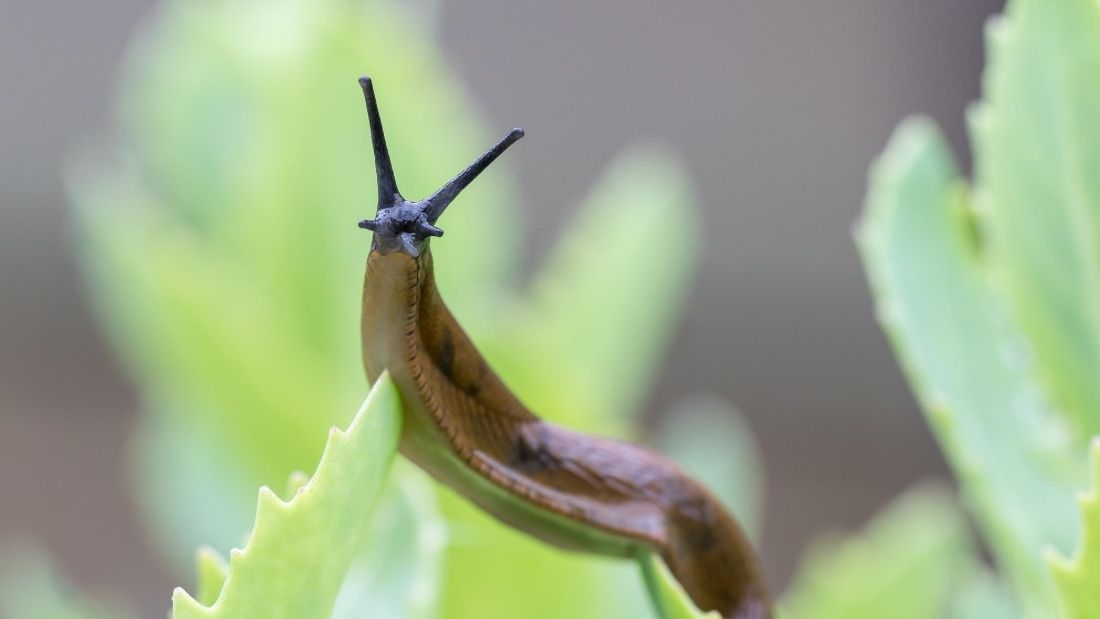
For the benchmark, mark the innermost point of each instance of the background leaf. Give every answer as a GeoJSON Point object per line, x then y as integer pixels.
{"type": "Point", "coordinates": [222, 254]}
{"type": "Point", "coordinates": [904, 565]}
{"type": "Point", "coordinates": [398, 572]}
{"type": "Point", "coordinates": [1015, 457]}
{"type": "Point", "coordinates": [1036, 138]}
{"type": "Point", "coordinates": [603, 306]}
{"type": "Point", "coordinates": [1078, 579]}
{"type": "Point", "coordinates": [211, 570]}
{"type": "Point", "coordinates": [245, 225]}
{"type": "Point", "coordinates": [31, 589]}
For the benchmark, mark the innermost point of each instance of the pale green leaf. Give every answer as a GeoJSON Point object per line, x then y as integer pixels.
{"type": "Point", "coordinates": [1014, 456]}
{"type": "Point", "coordinates": [1078, 579]}
{"type": "Point", "coordinates": [175, 466]}
{"type": "Point", "coordinates": [603, 306]}
{"type": "Point", "coordinates": [983, 595]}
{"type": "Point", "coordinates": [248, 118]}
{"type": "Point", "coordinates": [211, 569]}
{"type": "Point", "coordinates": [669, 598]}
{"type": "Point", "coordinates": [398, 571]}
{"type": "Point", "coordinates": [1036, 138]}
{"type": "Point", "coordinates": [493, 571]}
{"type": "Point", "coordinates": [204, 336]}
{"type": "Point", "coordinates": [300, 549]}
{"type": "Point", "coordinates": [225, 257]}
{"type": "Point", "coordinates": [903, 565]}
{"type": "Point", "coordinates": [30, 588]}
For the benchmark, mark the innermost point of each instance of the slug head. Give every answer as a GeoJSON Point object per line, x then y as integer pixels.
{"type": "Point", "coordinates": [402, 225]}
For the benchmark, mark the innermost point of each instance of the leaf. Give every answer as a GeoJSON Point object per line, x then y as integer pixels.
{"type": "Point", "coordinates": [300, 550]}
{"type": "Point", "coordinates": [30, 588]}
{"type": "Point", "coordinates": [1078, 579]}
{"type": "Point", "coordinates": [611, 290]}
{"type": "Point", "coordinates": [1014, 455]}
{"type": "Point", "coordinates": [223, 256]}
{"type": "Point", "coordinates": [1036, 138]}
{"type": "Point", "coordinates": [211, 570]}
{"type": "Point", "coordinates": [248, 118]}
{"type": "Point", "coordinates": [174, 466]}
{"type": "Point", "coordinates": [222, 248]}
{"type": "Point", "coordinates": [398, 571]}
{"type": "Point", "coordinates": [482, 580]}
{"type": "Point", "coordinates": [203, 336]}
{"type": "Point", "coordinates": [669, 598]}
{"type": "Point", "coordinates": [603, 307]}
{"type": "Point", "coordinates": [903, 565]}
{"type": "Point", "coordinates": [982, 595]}
{"type": "Point", "coordinates": [713, 442]}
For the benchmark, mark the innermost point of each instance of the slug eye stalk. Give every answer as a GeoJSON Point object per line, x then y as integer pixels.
{"type": "Point", "coordinates": [401, 225]}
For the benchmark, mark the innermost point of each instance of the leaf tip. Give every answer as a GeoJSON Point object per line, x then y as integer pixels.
{"type": "Point", "coordinates": [183, 605]}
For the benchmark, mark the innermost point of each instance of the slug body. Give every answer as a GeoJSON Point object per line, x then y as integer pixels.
{"type": "Point", "coordinates": [465, 428]}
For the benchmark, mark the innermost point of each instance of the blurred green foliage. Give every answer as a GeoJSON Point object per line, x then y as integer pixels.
{"type": "Point", "coordinates": [31, 588]}
{"type": "Point", "coordinates": [989, 290]}
{"type": "Point", "coordinates": [217, 236]}
{"type": "Point", "coordinates": [1077, 579]}
{"type": "Point", "coordinates": [925, 537]}
{"type": "Point", "coordinates": [224, 261]}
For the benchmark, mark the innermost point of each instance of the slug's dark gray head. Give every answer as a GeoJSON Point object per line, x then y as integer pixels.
{"type": "Point", "coordinates": [401, 225]}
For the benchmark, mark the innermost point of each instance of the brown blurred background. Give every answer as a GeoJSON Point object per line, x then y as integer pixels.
{"type": "Point", "coordinates": [780, 322]}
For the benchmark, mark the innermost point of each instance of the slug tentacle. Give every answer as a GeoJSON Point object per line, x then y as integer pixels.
{"type": "Point", "coordinates": [465, 428]}
{"type": "Point", "coordinates": [441, 199]}
{"type": "Point", "coordinates": [401, 225]}
{"type": "Point", "coordinates": [387, 184]}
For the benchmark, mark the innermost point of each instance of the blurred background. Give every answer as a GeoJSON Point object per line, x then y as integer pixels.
{"type": "Point", "coordinates": [777, 109]}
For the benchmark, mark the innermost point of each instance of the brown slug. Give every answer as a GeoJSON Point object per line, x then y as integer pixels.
{"type": "Point", "coordinates": [465, 428]}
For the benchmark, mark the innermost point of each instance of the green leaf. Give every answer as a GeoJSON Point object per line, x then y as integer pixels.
{"type": "Point", "coordinates": [1014, 456]}
{"type": "Point", "coordinates": [983, 595]}
{"type": "Point", "coordinates": [669, 598]}
{"type": "Point", "coordinates": [300, 550]}
{"type": "Point", "coordinates": [482, 579]}
{"type": "Point", "coordinates": [398, 571]}
{"type": "Point", "coordinates": [204, 336]}
{"type": "Point", "coordinates": [222, 249]}
{"type": "Point", "coordinates": [211, 571]}
{"type": "Point", "coordinates": [902, 566]}
{"type": "Point", "coordinates": [223, 256]}
{"type": "Point", "coordinates": [610, 293]}
{"type": "Point", "coordinates": [248, 118]}
{"type": "Point", "coordinates": [30, 588]}
{"type": "Point", "coordinates": [174, 466]}
{"type": "Point", "coordinates": [1036, 139]}
{"type": "Point", "coordinates": [602, 308]}
{"type": "Point", "coordinates": [1078, 579]}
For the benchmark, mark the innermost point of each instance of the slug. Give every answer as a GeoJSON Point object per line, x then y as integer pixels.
{"type": "Point", "coordinates": [466, 429]}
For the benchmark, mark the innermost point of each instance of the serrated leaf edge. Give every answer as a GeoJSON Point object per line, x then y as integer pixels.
{"type": "Point", "coordinates": [269, 506]}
